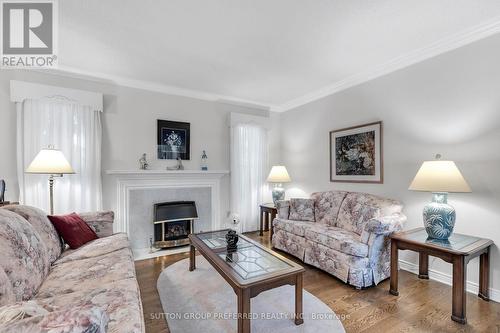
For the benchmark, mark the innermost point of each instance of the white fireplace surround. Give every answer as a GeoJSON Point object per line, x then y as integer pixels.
{"type": "Point", "coordinates": [128, 180]}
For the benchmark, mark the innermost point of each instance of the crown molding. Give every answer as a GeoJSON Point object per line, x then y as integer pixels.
{"type": "Point", "coordinates": [77, 73]}
{"type": "Point", "coordinates": [444, 45]}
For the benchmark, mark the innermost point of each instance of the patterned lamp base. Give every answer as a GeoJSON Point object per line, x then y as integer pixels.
{"type": "Point", "coordinates": [439, 217]}
{"type": "Point", "coordinates": [278, 193]}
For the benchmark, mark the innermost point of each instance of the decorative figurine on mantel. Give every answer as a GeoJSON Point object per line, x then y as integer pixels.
{"type": "Point", "coordinates": [232, 241]}
{"type": "Point", "coordinates": [179, 165]}
{"type": "Point", "coordinates": [204, 161]}
{"type": "Point", "coordinates": [143, 162]}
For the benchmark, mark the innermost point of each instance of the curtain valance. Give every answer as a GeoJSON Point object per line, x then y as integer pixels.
{"type": "Point", "coordinates": [21, 90]}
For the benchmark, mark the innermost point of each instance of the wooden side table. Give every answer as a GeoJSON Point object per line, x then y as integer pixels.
{"type": "Point", "coordinates": [267, 211]}
{"type": "Point", "coordinates": [458, 250]}
{"type": "Point", "coordinates": [5, 203]}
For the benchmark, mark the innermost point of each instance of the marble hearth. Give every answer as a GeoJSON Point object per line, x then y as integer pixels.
{"type": "Point", "coordinates": [138, 190]}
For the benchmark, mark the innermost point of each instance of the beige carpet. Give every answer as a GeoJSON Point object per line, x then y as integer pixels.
{"type": "Point", "coordinates": [202, 301]}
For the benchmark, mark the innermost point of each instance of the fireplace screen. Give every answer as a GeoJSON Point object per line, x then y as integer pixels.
{"type": "Point", "coordinates": [173, 223]}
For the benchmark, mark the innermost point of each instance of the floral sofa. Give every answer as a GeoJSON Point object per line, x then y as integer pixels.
{"type": "Point", "coordinates": [342, 233]}
{"type": "Point", "coordinates": [46, 288]}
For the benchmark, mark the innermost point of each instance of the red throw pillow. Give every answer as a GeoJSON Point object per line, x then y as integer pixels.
{"type": "Point", "coordinates": [73, 229]}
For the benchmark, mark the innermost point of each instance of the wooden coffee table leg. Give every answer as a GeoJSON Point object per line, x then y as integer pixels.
{"type": "Point", "coordinates": [423, 266]}
{"type": "Point", "coordinates": [394, 269]}
{"type": "Point", "coordinates": [192, 258]}
{"type": "Point", "coordinates": [458, 293]}
{"type": "Point", "coordinates": [299, 317]}
{"type": "Point", "coordinates": [484, 275]}
{"type": "Point", "coordinates": [244, 311]}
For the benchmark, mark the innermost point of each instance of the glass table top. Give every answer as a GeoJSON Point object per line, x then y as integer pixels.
{"type": "Point", "coordinates": [252, 261]}
{"type": "Point", "coordinates": [217, 240]}
{"type": "Point", "coordinates": [249, 260]}
{"type": "Point", "coordinates": [455, 242]}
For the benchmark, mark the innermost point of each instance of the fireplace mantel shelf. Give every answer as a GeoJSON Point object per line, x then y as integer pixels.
{"type": "Point", "coordinates": [169, 172]}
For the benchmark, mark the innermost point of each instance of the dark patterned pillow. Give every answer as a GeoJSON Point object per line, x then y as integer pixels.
{"type": "Point", "coordinates": [302, 209]}
{"type": "Point", "coordinates": [73, 230]}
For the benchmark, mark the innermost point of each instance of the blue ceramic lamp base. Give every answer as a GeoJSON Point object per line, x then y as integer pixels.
{"type": "Point", "coordinates": [278, 193]}
{"type": "Point", "coordinates": [439, 217]}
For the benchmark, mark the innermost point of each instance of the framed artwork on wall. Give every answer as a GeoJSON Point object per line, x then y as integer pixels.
{"type": "Point", "coordinates": [356, 154]}
{"type": "Point", "coordinates": [173, 140]}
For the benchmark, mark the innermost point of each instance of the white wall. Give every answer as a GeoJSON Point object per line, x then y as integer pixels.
{"type": "Point", "coordinates": [129, 128]}
{"type": "Point", "coordinates": [448, 105]}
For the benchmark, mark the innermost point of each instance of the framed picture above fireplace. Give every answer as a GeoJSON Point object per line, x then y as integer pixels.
{"type": "Point", "coordinates": [173, 140]}
{"type": "Point", "coordinates": [356, 154]}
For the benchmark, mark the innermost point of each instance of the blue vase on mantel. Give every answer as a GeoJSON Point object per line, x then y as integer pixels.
{"type": "Point", "coordinates": [439, 217]}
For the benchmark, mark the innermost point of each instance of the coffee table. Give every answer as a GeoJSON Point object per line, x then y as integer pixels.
{"type": "Point", "coordinates": [250, 270]}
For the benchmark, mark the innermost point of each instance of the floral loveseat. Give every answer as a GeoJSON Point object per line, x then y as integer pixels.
{"type": "Point", "coordinates": [92, 289]}
{"type": "Point", "coordinates": [342, 233]}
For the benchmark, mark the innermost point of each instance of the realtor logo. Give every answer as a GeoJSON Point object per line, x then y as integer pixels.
{"type": "Point", "coordinates": [28, 33]}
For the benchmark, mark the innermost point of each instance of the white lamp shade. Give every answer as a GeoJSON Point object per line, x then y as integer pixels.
{"type": "Point", "coordinates": [50, 161]}
{"type": "Point", "coordinates": [278, 174]}
{"type": "Point", "coordinates": [439, 176]}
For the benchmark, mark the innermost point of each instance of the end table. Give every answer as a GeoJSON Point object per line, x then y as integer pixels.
{"type": "Point", "coordinates": [7, 203]}
{"type": "Point", "coordinates": [458, 250]}
{"type": "Point", "coordinates": [267, 210]}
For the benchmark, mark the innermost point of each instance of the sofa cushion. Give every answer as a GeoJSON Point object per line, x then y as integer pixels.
{"type": "Point", "coordinates": [358, 208]}
{"type": "Point", "coordinates": [73, 230]}
{"type": "Point", "coordinates": [338, 239]}
{"type": "Point", "coordinates": [100, 222]}
{"type": "Point", "coordinates": [302, 209]}
{"type": "Point", "coordinates": [294, 227]}
{"type": "Point", "coordinates": [293, 244]}
{"type": "Point", "coordinates": [120, 300]}
{"type": "Point", "coordinates": [327, 206]}
{"type": "Point", "coordinates": [38, 219]}
{"type": "Point", "coordinates": [85, 274]}
{"type": "Point", "coordinates": [83, 319]}
{"type": "Point", "coordinates": [23, 255]}
{"type": "Point", "coordinates": [95, 248]}
{"type": "Point", "coordinates": [283, 208]}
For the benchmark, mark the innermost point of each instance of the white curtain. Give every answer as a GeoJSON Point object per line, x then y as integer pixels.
{"type": "Point", "coordinates": [249, 164]}
{"type": "Point", "coordinates": [74, 129]}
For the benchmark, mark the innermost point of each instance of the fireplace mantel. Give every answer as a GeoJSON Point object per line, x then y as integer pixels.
{"type": "Point", "coordinates": [128, 180]}
{"type": "Point", "coordinates": [212, 173]}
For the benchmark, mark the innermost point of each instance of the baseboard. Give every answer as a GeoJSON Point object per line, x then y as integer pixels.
{"type": "Point", "coordinates": [472, 287]}
{"type": "Point", "coordinates": [142, 254]}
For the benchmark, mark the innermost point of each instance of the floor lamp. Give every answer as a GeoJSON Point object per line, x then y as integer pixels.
{"type": "Point", "coordinates": [50, 161]}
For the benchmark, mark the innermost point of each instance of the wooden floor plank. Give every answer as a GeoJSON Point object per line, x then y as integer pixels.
{"type": "Point", "coordinates": [422, 306]}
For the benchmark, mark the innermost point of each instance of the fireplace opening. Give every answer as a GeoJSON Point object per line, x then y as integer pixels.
{"type": "Point", "coordinates": [173, 222]}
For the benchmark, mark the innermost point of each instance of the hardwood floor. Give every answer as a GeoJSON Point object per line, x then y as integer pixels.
{"type": "Point", "coordinates": [422, 306]}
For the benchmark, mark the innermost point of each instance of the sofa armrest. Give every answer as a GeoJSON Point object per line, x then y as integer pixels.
{"type": "Point", "coordinates": [385, 225]}
{"type": "Point", "coordinates": [80, 319]}
{"type": "Point", "coordinates": [100, 222]}
{"type": "Point", "coordinates": [376, 235]}
{"type": "Point", "coordinates": [283, 208]}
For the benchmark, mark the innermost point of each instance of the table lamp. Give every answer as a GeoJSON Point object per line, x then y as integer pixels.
{"type": "Point", "coordinates": [52, 162]}
{"type": "Point", "coordinates": [278, 175]}
{"type": "Point", "coordinates": [440, 178]}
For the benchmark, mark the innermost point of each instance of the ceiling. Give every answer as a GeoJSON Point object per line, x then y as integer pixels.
{"type": "Point", "coordinates": [273, 53]}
